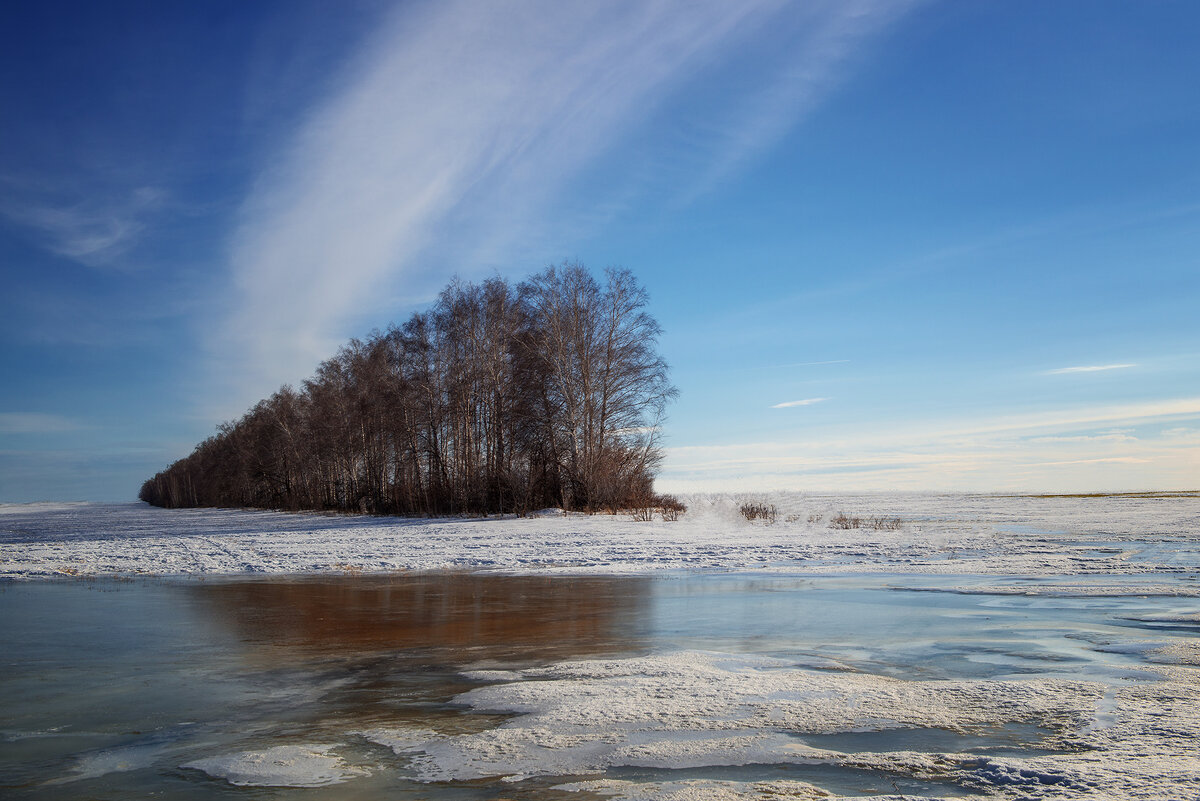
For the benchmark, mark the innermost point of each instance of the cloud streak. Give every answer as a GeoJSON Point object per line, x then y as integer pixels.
{"type": "Point", "coordinates": [805, 402]}
{"type": "Point", "coordinates": [1089, 369]}
{"type": "Point", "coordinates": [465, 122]}
{"type": "Point", "coordinates": [35, 423]}
{"type": "Point", "coordinates": [1019, 452]}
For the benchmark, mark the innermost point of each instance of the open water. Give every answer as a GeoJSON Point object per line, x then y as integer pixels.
{"type": "Point", "coordinates": [110, 689]}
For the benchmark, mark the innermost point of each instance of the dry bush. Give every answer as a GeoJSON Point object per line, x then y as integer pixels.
{"type": "Point", "coordinates": [843, 521]}
{"type": "Point", "coordinates": [792, 519]}
{"type": "Point", "coordinates": [759, 511]}
{"type": "Point", "coordinates": [815, 518]}
{"type": "Point", "coordinates": [668, 506]}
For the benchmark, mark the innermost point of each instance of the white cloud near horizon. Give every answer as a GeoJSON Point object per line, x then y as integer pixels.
{"type": "Point", "coordinates": [460, 124]}
{"type": "Point", "coordinates": [1017, 452]}
{"type": "Point", "coordinates": [805, 402]}
{"type": "Point", "coordinates": [1097, 368]}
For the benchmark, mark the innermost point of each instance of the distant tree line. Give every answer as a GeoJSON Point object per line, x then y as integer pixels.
{"type": "Point", "coordinates": [500, 398]}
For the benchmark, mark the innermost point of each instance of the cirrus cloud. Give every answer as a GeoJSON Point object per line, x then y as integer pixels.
{"type": "Point", "coordinates": [1095, 368]}
{"type": "Point", "coordinates": [805, 402]}
{"type": "Point", "coordinates": [467, 124]}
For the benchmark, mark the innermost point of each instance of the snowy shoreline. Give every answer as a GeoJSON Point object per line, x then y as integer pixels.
{"type": "Point", "coordinates": [1033, 537]}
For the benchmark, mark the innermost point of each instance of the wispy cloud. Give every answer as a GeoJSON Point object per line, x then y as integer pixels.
{"type": "Point", "coordinates": [1104, 460]}
{"type": "Point", "coordinates": [93, 232]}
{"type": "Point", "coordinates": [1093, 368]}
{"type": "Point", "coordinates": [816, 364]}
{"type": "Point", "coordinates": [982, 454]}
{"type": "Point", "coordinates": [805, 402]}
{"type": "Point", "coordinates": [1122, 435]}
{"type": "Point", "coordinates": [35, 423]}
{"type": "Point", "coordinates": [465, 122]}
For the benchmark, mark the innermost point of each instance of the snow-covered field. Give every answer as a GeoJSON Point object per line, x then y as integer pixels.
{"type": "Point", "coordinates": [940, 534]}
{"type": "Point", "coordinates": [1098, 682]}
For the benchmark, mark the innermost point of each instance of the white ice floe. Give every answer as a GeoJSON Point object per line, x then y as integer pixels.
{"type": "Point", "coordinates": [280, 766]}
{"type": "Point", "coordinates": [941, 534]}
{"type": "Point", "coordinates": [702, 790]}
{"type": "Point", "coordinates": [709, 790]}
{"type": "Point", "coordinates": [697, 709]}
{"type": "Point", "coordinates": [1139, 589]}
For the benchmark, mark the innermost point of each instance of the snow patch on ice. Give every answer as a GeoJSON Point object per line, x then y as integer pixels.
{"type": "Point", "coordinates": [701, 790]}
{"type": "Point", "coordinates": [112, 760]}
{"type": "Point", "coordinates": [695, 709]}
{"type": "Point", "coordinates": [491, 675]}
{"type": "Point", "coordinates": [281, 766]}
{"type": "Point", "coordinates": [699, 709]}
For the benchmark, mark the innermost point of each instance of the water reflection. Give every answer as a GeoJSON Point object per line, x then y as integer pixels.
{"type": "Point", "coordinates": [464, 617]}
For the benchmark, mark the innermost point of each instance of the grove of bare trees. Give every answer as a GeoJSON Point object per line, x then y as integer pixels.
{"type": "Point", "coordinates": [497, 399]}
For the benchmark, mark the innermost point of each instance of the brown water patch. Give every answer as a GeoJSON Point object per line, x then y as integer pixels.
{"type": "Point", "coordinates": [481, 618]}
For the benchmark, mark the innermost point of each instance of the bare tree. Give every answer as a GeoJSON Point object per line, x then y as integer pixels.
{"type": "Point", "coordinates": [605, 389]}
{"type": "Point", "coordinates": [497, 399]}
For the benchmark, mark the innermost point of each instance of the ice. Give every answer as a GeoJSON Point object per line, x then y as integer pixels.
{"type": "Point", "coordinates": [113, 760]}
{"type": "Point", "coordinates": [280, 766]}
{"type": "Point", "coordinates": [694, 709]}
{"type": "Point", "coordinates": [697, 709]}
{"type": "Point", "coordinates": [401, 741]}
{"type": "Point", "coordinates": [699, 790]}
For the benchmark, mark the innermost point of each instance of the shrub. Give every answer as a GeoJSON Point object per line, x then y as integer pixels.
{"type": "Point", "coordinates": [759, 511]}
{"type": "Point", "coordinates": [843, 521]}
{"type": "Point", "coordinates": [668, 506]}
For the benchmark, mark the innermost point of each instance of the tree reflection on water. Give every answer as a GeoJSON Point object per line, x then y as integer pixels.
{"type": "Point", "coordinates": [454, 617]}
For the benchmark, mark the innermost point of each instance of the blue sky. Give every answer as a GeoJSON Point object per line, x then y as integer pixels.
{"type": "Point", "coordinates": [894, 245]}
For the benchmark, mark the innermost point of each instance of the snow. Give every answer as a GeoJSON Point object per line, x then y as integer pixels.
{"type": "Point", "coordinates": [280, 766]}
{"type": "Point", "coordinates": [941, 535]}
{"type": "Point", "coordinates": [693, 709]}
{"type": "Point", "coordinates": [112, 760]}
{"type": "Point", "coordinates": [698, 790]}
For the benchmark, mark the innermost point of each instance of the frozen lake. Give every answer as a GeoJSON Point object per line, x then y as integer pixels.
{"type": "Point", "coordinates": [793, 675]}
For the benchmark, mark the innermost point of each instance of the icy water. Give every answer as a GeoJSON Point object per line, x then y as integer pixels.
{"type": "Point", "coordinates": [240, 687]}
